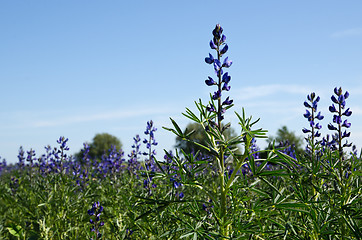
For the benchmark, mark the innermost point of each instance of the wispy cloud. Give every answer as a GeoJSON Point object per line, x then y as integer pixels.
{"type": "Point", "coordinates": [356, 110]}
{"type": "Point", "coordinates": [347, 33]}
{"type": "Point", "coordinates": [247, 93]}
{"type": "Point", "coordinates": [104, 116]}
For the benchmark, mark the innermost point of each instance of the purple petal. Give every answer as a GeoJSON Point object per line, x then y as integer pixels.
{"type": "Point", "coordinates": [223, 39]}
{"type": "Point", "coordinates": [347, 113]}
{"type": "Point", "coordinates": [305, 130]}
{"type": "Point", "coordinates": [227, 63]}
{"type": "Point", "coordinates": [332, 108]}
{"type": "Point", "coordinates": [224, 50]}
{"type": "Point", "coordinates": [319, 116]}
{"type": "Point", "coordinates": [307, 105]}
{"type": "Point", "coordinates": [346, 124]}
{"type": "Point", "coordinates": [226, 87]}
{"type": "Point", "coordinates": [307, 114]}
{"type": "Point", "coordinates": [346, 95]}
{"type": "Point", "coordinates": [336, 91]}
{"type": "Point", "coordinates": [334, 99]}
{"type": "Point", "coordinates": [331, 127]}
{"type": "Point", "coordinates": [212, 45]}
{"type": "Point", "coordinates": [226, 78]}
{"type": "Point", "coordinates": [210, 82]}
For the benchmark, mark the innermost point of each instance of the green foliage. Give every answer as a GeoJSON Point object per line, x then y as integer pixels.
{"type": "Point", "coordinates": [302, 200]}
{"type": "Point", "coordinates": [285, 136]}
{"type": "Point", "coordinates": [197, 135]}
{"type": "Point", "coordinates": [100, 144]}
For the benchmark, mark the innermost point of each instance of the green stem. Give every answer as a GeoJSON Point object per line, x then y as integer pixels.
{"type": "Point", "coordinates": [223, 190]}
{"type": "Point", "coordinates": [223, 194]}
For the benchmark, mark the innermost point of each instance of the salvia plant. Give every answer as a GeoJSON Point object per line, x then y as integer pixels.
{"type": "Point", "coordinates": [229, 190]}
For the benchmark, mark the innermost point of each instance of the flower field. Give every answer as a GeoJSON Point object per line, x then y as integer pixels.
{"type": "Point", "coordinates": [229, 192]}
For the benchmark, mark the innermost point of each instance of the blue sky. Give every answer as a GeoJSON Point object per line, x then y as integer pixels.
{"type": "Point", "coordinates": [77, 68]}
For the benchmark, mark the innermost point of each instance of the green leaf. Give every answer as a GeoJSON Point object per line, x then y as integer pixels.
{"type": "Point", "coordinates": [293, 206]}
{"type": "Point", "coordinates": [280, 172]}
{"type": "Point", "coordinates": [261, 192]}
{"type": "Point", "coordinates": [178, 129]}
{"type": "Point", "coordinates": [189, 114]}
{"type": "Point", "coordinates": [15, 232]}
{"type": "Point", "coordinates": [271, 185]}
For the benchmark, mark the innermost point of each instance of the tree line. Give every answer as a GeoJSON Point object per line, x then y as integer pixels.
{"type": "Point", "coordinates": [102, 142]}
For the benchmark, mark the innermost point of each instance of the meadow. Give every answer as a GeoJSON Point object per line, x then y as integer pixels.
{"type": "Point", "coordinates": [229, 192]}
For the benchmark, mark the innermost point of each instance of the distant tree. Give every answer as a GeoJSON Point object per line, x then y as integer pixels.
{"type": "Point", "coordinates": [198, 136]}
{"type": "Point", "coordinates": [285, 137]}
{"type": "Point", "coordinates": [100, 144]}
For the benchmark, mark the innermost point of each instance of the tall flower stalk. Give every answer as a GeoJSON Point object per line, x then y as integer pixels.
{"type": "Point", "coordinates": [219, 45]}
{"type": "Point", "coordinates": [313, 116]}
{"type": "Point", "coordinates": [224, 152]}
{"type": "Point", "coordinates": [339, 98]}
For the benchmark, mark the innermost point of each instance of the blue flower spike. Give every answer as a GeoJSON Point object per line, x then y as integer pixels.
{"type": "Point", "coordinates": [339, 140]}
{"type": "Point", "coordinates": [95, 213]}
{"type": "Point", "coordinates": [312, 116]}
{"type": "Point", "coordinates": [222, 82]}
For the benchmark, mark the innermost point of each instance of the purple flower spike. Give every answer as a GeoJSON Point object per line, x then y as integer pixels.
{"type": "Point", "coordinates": [96, 211]}
{"type": "Point", "coordinates": [311, 114]}
{"type": "Point", "coordinates": [219, 63]}
{"type": "Point", "coordinates": [210, 82]}
{"type": "Point", "coordinates": [210, 59]}
{"type": "Point", "coordinates": [227, 63]}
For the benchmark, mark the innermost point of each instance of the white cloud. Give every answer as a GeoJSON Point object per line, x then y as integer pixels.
{"type": "Point", "coordinates": [247, 93]}
{"type": "Point", "coordinates": [356, 110]}
{"type": "Point", "coordinates": [113, 115]}
{"type": "Point", "coordinates": [347, 33]}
